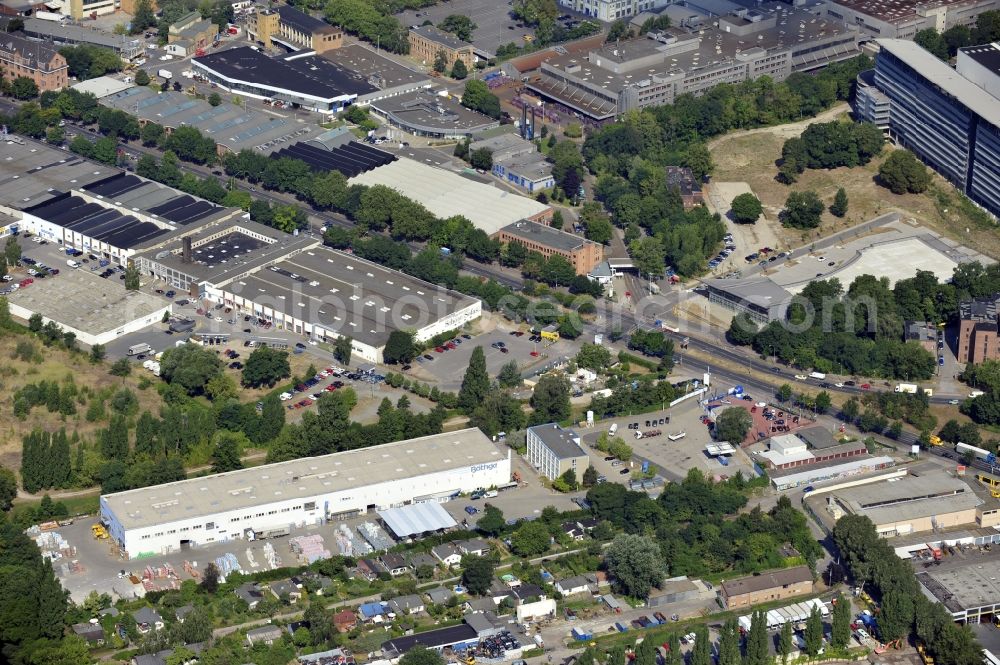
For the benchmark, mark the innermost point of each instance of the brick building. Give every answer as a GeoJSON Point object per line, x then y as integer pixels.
{"type": "Point", "coordinates": [923, 333]}
{"type": "Point", "coordinates": [685, 182]}
{"type": "Point", "coordinates": [547, 241]}
{"type": "Point", "coordinates": [765, 587]}
{"type": "Point", "coordinates": [294, 29]}
{"type": "Point", "coordinates": [978, 338]}
{"type": "Point", "coordinates": [426, 42]}
{"type": "Point", "coordinates": [38, 61]}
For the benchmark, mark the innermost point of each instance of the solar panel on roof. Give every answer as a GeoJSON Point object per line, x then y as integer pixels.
{"type": "Point", "coordinates": [116, 185]}
{"type": "Point", "coordinates": [171, 205]}
{"type": "Point", "coordinates": [131, 235]}
{"type": "Point", "coordinates": [351, 159]}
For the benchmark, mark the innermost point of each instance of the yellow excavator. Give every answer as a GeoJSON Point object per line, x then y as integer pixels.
{"type": "Point", "coordinates": [991, 482]}
{"type": "Point", "coordinates": [100, 533]}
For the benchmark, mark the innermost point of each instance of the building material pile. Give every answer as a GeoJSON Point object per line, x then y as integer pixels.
{"type": "Point", "coordinates": [309, 548]}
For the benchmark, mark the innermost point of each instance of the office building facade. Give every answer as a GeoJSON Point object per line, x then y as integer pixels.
{"type": "Point", "coordinates": [23, 57]}
{"type": "Point", "coordinates": [553, 451]}
{"type": "Point", "coordinates": [946, 119]}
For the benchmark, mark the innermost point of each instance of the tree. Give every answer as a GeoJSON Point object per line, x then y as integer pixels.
{"type": "Point", "coordinates": [566, 482]}
{"type": "Point", "coordinates": [648, 255]}
{"type": "Point", "coordinates": [635, 563]}
{"type": "Point", "coordinates": [823, 402]}
{"type": "Point", "coordinates": [729, 643]}
{"type": "Point", "coordinates": [226, 447]}
{"type": "Point", "coordinates": [141, 78]}
{"type": "Point", "coordinates": [550, 399]}
{"type": "Point", "coordinates": [701, 654]}
{"type": "Point", "coordinates": [342, 350]}
{"type": "Point", "coordinates": [265, 366]}
{"type": "Point", "coordinates": [190, 366]}
{"type": "Point", "coordinates": [530, 539]}
{"type": "Point", "coordinates": [477, 574]}
{"type": "Point", "coordinates": [55, 135]}
{"type": "Point", "coordinates": [786, 642]}
{"type": "Point", "coordinates": [97, 353]}
{"type": "Point", "coordinates": [594, 357]}
{"type": "Point", "coordinates": [421, 655]}
{"type": "Point", "coordinates": [590, 477]}
{"type": "Point", "coordinates": [481, 158]}
{"type": "Point", "coordinates": [477, 96]}
{"type": "Point", "coordinates": [210, 579]}
{"type": "Point", "coordinates": [510, 375]}
{"type": "Point", "coordinates": [732, 425]}
{"type": "Point", "coordinates": [475, 383]}
{"type": "Point", "coordinates": [839, 206]}
{"type": "Point", "coordinates": [851, 410]}
{"type": "Point", "coordinates": [802, 210]}
{"type": "Point", "coordinates": [399, 348]}
{"type": "Point", "coordinates": [492, 521]}
{"type": "Point", "coordinates": [459, 71]}
{"type": "Point", "coordinates": [214, 99]}
{"type": "Point", "coordinates": [757, 652]}
{"type": "Point", "coordinates": [902, 172]}
{"type": "Point", "coordinates": [746, 208]}
{"type": "Point", "coordinates": [12, 251]}
{"type": "Point", "coordinates": [931, 40]}
{"type": "Point", "coordinates": [441, 66]}
{"type": "Point", "coordinates": [841, 629]}
{"type": "Point", "coordinates": [320, 623]}
{"type": "Point", "coordinates": [785, 392]}
{"type": "Point", "coordinates": [459, 25]}
{"type": "Point", "coordinates": [8, 488]}
{"type": "Point", "coordinates": [131, 277]}
{"type": "Point", "coordinates": [813, 636]}
{"type": "Point", "coordinates": [120, 367]}
{"type": "Point", "coordinates": [23, 88]}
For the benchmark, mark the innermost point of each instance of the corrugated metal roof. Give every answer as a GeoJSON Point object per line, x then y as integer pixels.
{"type": "Point", "coordinates": [446, 194]}
{"type": "Point", "coordinates": [408, 521]}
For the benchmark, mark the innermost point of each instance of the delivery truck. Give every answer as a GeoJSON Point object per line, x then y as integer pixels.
{"type": "Point", "coordinates": [906, 388]}
{"type": "Point", "coordinates": [819, 376]}
{"type": "Point", "coordinates": [136, 349]}
{"type": "Point", "coordinates": [165, 74]}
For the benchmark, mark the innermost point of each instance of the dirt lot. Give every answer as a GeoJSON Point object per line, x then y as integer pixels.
{"type": "Point", "coordinates": [750, 157]}
{"type": "Point", "coordinates": [56, 365]}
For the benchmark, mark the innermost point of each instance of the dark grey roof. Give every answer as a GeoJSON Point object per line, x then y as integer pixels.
{"type": "Point", "coordinates": [350, 158]}
{"type": "Point", "coordinates": [545, 235]}
{"type": "Point", "coordinates": [38, 54]}
{"type": "Point", "coordinates": [312, 75]}
{"type": "Point", "coordinates": [774, 579]}
{"type": "Point", "coordinates": [301, 21]}
{"type": "Point", "coordinates": [432, 639]}
{"type": "Point", "coordinates": [561, 442]}
{"type": "Point", "coordinates": [987, 55]}
{"type": "Point", "coordinates": [440, 36]}
{"type": "Point", "coordinates": [817, 437]}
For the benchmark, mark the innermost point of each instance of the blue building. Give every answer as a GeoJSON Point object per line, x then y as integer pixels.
{"type": "Point", "coordinates": [945, 118]}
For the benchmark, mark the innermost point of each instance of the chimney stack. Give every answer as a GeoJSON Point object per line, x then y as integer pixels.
{"type": "Point", "coordinates": [186, 254]}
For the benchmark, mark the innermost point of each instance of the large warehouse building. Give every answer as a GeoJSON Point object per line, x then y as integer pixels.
{"type": "Point", "coordinates": [188, 513]}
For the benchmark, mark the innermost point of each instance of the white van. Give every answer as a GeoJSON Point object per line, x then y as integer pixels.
{"type": "Point", "coordinates": [72, 264]}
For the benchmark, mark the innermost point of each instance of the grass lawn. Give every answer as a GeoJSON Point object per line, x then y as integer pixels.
{"type": "Point", "coordinates": [751, 158]}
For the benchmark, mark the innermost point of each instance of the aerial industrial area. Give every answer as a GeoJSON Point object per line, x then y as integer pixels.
{"type": "Point", "coordinates": [556, 331]}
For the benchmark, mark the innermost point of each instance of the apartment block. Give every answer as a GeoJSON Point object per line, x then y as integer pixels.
{"type": "Point", "coordinates": [426, 42]}
{"type": "Point", "coordinates": [38, 61]}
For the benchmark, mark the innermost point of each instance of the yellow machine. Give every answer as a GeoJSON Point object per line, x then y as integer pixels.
{"type": "Point", "coordinates": [991, 482]}
{"type": "Point", "coordinates": [922, 650]}
{"type": "Point", "coordinates": [935, 440]}
{"type": "Point", "coordinates": [99, 531]}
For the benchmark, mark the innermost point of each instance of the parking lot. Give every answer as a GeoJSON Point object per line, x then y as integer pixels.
{"type": "Point", "coordinates": [447, 367]}
{"type": "Point", "coordinates": [673, 459]}
{"type": "Point", "coordinates": [495, 26]}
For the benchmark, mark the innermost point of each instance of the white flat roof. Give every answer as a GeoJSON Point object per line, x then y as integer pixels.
{"type": "Point", "coordinates": [980, 102]}
{"type": "Point", "coordinates": [446, 194]}
{"type": "Point", "coordinates": [301, 478]}
{"type": "Point", "coordinates": [778, 458]}
{"type": "Point", "coordinates": [716, 449]}
{"type": "Point", "coordinates": [418, 518]}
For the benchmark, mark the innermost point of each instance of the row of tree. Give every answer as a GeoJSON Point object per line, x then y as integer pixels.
{"type": "Point", "coordinates": [830, 145]}
{"type": "Point", "coordinates": [859, 331]}
{"type": "Point", "coordinates": [903, 609]}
